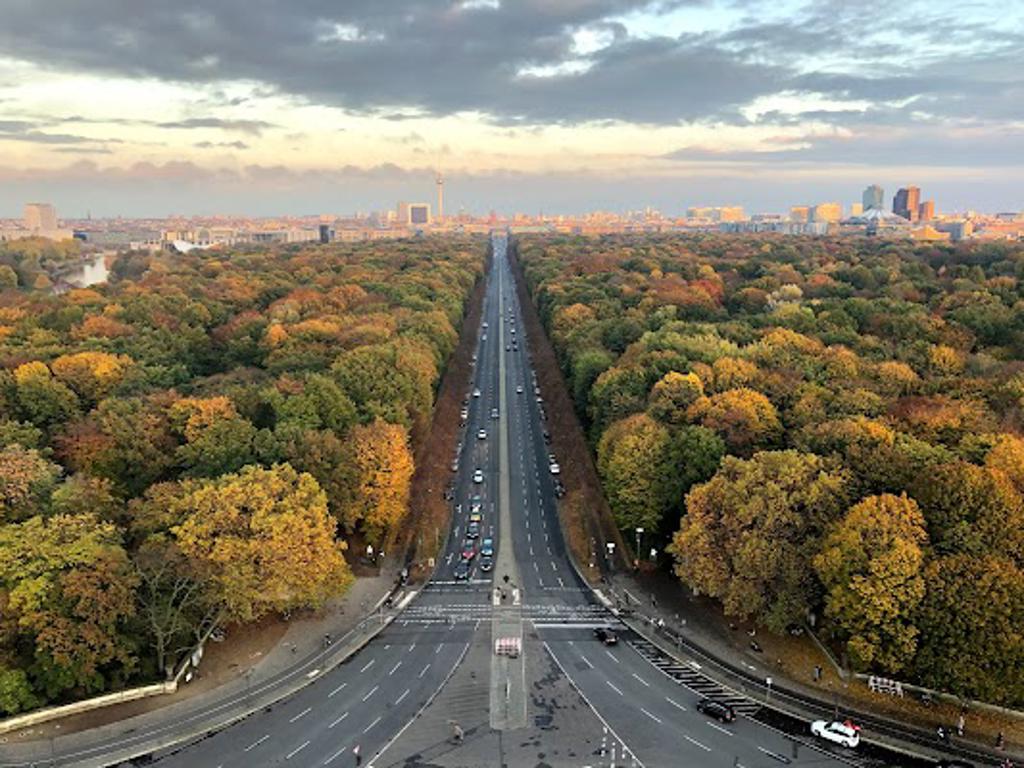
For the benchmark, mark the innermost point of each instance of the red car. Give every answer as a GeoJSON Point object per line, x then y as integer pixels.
{"type": "Point", "coordinates": [468, 550]}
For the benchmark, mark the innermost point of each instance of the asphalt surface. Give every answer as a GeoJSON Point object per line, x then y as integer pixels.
{"type": "Point", "coordinates": [567, 699]}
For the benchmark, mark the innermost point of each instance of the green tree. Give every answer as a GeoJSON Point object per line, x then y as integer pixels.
{"type": "Point", "coordinates": [870, 564]}
{"type": "Point", "coordinates": [44, 401]}
{"type": "Point", "coordinates": [15, 690]}
{"type": "Point", "coordinates": [26, 482]}
{"type": "Point", "coordinates": [673, 394]}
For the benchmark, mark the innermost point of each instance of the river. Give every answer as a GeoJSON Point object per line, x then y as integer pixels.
{"type": "Point", "coordinates": [90, 272]}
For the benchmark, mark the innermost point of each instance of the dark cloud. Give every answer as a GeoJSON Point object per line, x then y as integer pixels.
{"type": "Point", "coordinates": [221, 145]}
{"type": "Point", "coordinates": [29, 132]}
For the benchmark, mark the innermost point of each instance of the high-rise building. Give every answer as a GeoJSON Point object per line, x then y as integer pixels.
{"type": "Point", "coordinates": [856, 209]}
{"type": "Point", "coordinates": [906, 201]}
{"type": "Point", "coordinates": [413, 214]}
{"type": "Point", "coordinates": [926, 210]}
{"type": "Point", "coordinates": [873, 197]}
{"type": "Point", "coordinates": [800, 213]}
{"type": "Point", "coordinates": [440, 197]}
{"type": "Point", "coordinates": [827, 212]}
{"type": "Point", "coordinates": [40, 217]}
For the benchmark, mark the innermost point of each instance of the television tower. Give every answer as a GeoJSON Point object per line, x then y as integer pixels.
{"type": "Point", "coordinates": [440, 196]}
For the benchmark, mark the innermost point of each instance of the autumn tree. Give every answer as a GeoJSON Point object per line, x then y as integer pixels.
{"type": "Point", "coordinates": [26, 482]}
{"type": "Point", "coordinates": [264, 539]}
{"type": "Point", "coordinates": [750, 532]}
{"type": "Point", "coordinates": [383, 469]}
{"type": "Point", "coordinates": [672, 395]}
{"type": "Point", "coordinates": [44, 400]}
{"type": "Point", "coordinates": [92, 375]}
{"type": "Point", "coordinates": [871, 567]}
{"type": "Point", "coordinates": [744, 418]}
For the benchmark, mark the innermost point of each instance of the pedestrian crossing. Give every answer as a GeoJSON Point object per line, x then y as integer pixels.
{"type": "Point", "coordinates": [690, 677]}
{"type": "Point", "coordinates": [539, 614]}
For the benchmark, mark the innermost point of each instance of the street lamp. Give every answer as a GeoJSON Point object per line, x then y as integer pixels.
{"type": "Point", "coordinates": [639, 533]}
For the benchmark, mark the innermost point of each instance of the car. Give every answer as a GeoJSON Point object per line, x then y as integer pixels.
{"type": "Point", "coordinates": [473, 531]}
{"type": "Point", "coordinates": [508, 347]}
{"type": "Point", "coordinates": [485, 325]}
{"type": "Point", "coordinates": [519, 389]}
{"type": "Point", "coordinates": [464, 414]}
{"type": "Point", "coordinates": [494, 413]}
{"type": "Point", "coordinates": [486, 564]}
{"type": "Point", "coordinates": [484, 337]}
{"type": "Point", "coordinates": [552, 459]}
{"type": "Point", "coordinates": [461, 570]}
{"type": "Point", "coordinates": [515, 347]}
{"type": "Point", "coordinates": [487, 547]}
{"type": "Point", "coordinates": [474, 357]}
{"type": "Point", "coordinates": [555, 469]}
{"type": "Point", "coordinates": [547, 436]}
{"type": "Point", "coordinates": [476, 517]}
{"type": "Point", "coordinates": [540, 400]}
{"type": "Point", "coordinates": [478, 476]}
{"type": "Point", "coordinates": [606, 635]}
{"type": "Point", "coordinates": [468, 550]}
{"type": "Point", "coordinates": [716, 709]}
{"type": "Point", "coordinates": [475, 504]}
{"type": "Point", "coordinates": [843, 734]}
{"type": "Point", "coordinates": [455, 465]}
{"type": "Point", "coordinates": [481, 434]}
{"type": "Point", "coordinates": [476, 393]}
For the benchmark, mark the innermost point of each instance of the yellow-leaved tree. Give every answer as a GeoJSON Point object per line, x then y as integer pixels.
{"type": "Point", "coordinates": [383, 468]}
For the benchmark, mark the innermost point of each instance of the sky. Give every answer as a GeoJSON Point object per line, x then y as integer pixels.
{"type": "Point", "coordinates": [263, 107]}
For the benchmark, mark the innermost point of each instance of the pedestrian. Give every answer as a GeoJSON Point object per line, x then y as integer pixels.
{"type": "Point", "coordinates": [817, 673]}
{"type": "Point", "coordinates": [1000, 741]}
{"type": "Point", "coordinates": [358, 754]}
{"type": "Point", "coordinates": [960, 725]}
{"type": "Point", "coordinates": [654, 601]}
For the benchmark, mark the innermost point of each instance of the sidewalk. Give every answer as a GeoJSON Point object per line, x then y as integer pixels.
{"type": "Point", "coordinates": [155, 723]}
{"type": "Point", "coordinates": [664, 610]}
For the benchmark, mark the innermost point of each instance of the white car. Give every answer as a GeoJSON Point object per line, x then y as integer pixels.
{"type": "Point", "coordinates": [519, 389]}
{"type": "Point", "coordinates": [476, 393]}
{"type": "Point", "coordinates": [478, 476]}
{"type": "Point", "coordinates": [481, 434]}
{"type": "Point", "coordinates": [555, 469]}
{"type": "Point", "coordinates": [836, 732]}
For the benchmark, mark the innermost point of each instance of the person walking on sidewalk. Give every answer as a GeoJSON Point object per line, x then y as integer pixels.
{"type": "Point", "coordinates": [960, 725]}
{"type": "Point", "coordinates": [358, 754]}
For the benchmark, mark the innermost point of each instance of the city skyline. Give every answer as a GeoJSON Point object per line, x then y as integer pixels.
{"type": "Point", "coordinates": [204, 107]}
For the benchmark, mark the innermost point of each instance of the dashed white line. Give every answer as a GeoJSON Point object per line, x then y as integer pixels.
{"type": "Point", "coordinates": [338, 720]}
{"type": "Point", "coordinates": [372, 691]}
{"type": "Point", "coordinates": [655, 718]}
{"type": "Point", "coordinates": [694, 741]}
{"type": "Point", "coordinates": [423, 671]}
{"type": "Point", "coordinates": [339, 753]}
{"type": "Point", "coordinates": [719, 728]}
{"type": "Point", "coordinates": [256, 743]}
{"type": "Point", "coordinates": [612, 657]}
{"type": "Point", "coordinates": [400, 698]}
{"type": "Point", "coordinates": [301, 715]}
{"type": "Point", "coordinates": [296, 751]}
{"type": "Point", "coordinates": [367, 728]}
{"type": "Point", "coordinates": [340, 687]}
{"type": "Point", "coordinates": [439, 647]}
{"type": "Point", "coordinates": [613, 687]}
{"type": "Point", "coordinates": [646, 684]}
{"type": "Point", "coordinates": [394, 669]}
{"type": "Point", "coordinates": [675, 704]}
{"type": "Point", "coordinates": [369, 664]}
{"type": "Point", "coordinates": [774, 755]}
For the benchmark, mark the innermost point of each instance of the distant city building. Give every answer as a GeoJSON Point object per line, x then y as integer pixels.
{"type": "Point", "coordinates": [413, 214]}
{"type": "Point", "coordinates": [856, 209]}
{"type": "Point", "coordinates": [958, 230]}
{"type": "Point", "coordinates": [40, 216]}
{"type": "Point", "coordinates": [325, 233]}
{"type": "Point", "coordinates": [873, 197]}
{"type": "Point", "coordinates": [800, 213]}
{"type": "Point", "coordinates": [926, 210]}
{"type": "Point", "coordinates": [716, 213]}
{"type": "Point", "coordinates": [906, 201]}
{"type": "Point", "coordinates": [827, 212]}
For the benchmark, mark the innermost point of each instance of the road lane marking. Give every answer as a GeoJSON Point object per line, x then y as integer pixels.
{"type": "Point", "coordinates": [400, 698]}
{"type": "Point", "coordinates": [338, 720]}
{"type": "Point", "coordinates": [586, 661]}
{"type": "Point", "coordinates": [369, 664]}
{"type": "Point", "coordinates": [367, 729]}
{"type": "Point", "coordinates": [256, 743]}
{"type": "Point", "coordinates": [675, 704]}
{"type": "Point", "coordinates": [655, 718]}
{"type": "Point", "coordinates": [301, 715]}
{"type": "Point", "coordinates": [372, 691]}
{"type": "Point", "coordinates": [694, 741]}
{"type": "Point", "coordinates": [296, 751]}
{"type": "Point", "coordinates": [423, 671]}
{"type": "Point", "coordinates": [412, 647]}
{"type": "Point", "coordinates": [439, 647]}
{"type": "Point", "coordinates": [613, 687]}
{"type": "Point", "coordinates": [719, 728]}
{"type": "Point", "coordinates": [394, 669]}
{"type": "Point", "coordinates": [339, 753]}
{"type": "Point", "coordinates": [612, 657]}
{"type": "Point", "coordinates": [648, 685]}
{"type": "Point", "coordinates": [331, 694]}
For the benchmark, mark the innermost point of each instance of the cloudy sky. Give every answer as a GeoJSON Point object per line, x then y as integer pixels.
{"type": "Point", "coordinates": [150, 107]}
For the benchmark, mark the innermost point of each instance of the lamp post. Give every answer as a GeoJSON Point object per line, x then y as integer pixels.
{"type": "Point", "coordinates": [639, 533]}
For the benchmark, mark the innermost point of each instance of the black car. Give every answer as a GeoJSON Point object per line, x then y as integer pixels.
{"type": "Point", "coordinates": [462, 570]}
{"type": "Point", "coordinates": [606, 635]}
{"type": "Point", "coordinates": [716, 709]}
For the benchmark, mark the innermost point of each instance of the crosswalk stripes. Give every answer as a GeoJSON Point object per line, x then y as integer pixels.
{"type": "Point", "coordinates": [539, 614]}
{"type": "Point", "coordinates": [693, 679]}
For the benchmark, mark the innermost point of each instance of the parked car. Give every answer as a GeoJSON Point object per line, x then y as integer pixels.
{"type": "Point", "coordinates": [844, 734]}
{"type": "Point", "coordinates": [478, 476]}
{"type": "Point", "coordinates": [606, 635]}
{"type": "Point", "coordinates": [555, 469]}
{"type": "Point", "coordinates": [487, 547]}
{"type": "Point", "coordinates": [464, 414]}
{"type": "Point", "coordinates": [461, 570]}
{"type": "Point", "coordinates": [716, 709]}
{"type": "Point", "coordinates": [455, 465]}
